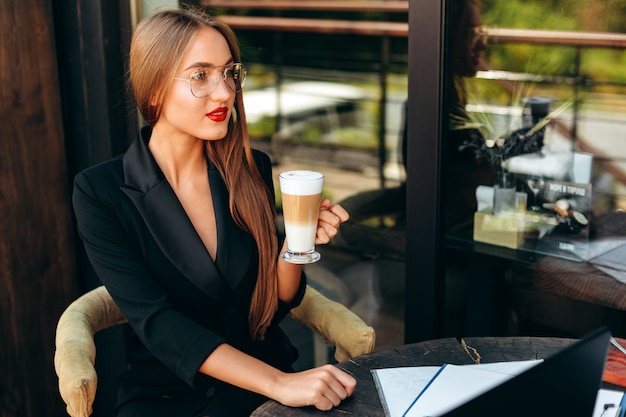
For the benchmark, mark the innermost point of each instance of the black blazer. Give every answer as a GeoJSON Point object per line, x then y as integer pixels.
{"type": "Point", "coordinates": [180, 303]}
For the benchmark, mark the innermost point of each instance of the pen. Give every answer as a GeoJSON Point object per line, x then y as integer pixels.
{"type": "Point", "coordinates": [617, 345]}
{"type": "Point", "coordinates": [345, 370]}
{"type": "Point", "coordinates": [618, 410]}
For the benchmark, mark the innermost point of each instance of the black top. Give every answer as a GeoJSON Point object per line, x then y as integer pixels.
{"type": "Point", "coordinates": [179, 302]}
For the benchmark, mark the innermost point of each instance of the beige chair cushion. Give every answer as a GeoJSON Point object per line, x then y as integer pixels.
{"type": "Point", "coordinates": [76, 351]}
{"type": "Point", "coordinates": [338, 325]}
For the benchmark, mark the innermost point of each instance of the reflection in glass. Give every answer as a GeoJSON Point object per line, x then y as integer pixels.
{"type": "Point", "coordinates": [560, 59]}
{"type": "Point", "coordinates": [466, 45]}
{"type": "Point", "coordinates": [535, 183]}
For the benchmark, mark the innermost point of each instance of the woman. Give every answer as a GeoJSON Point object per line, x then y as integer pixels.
{"type": "Point", "coordinates": [467, 42]}
{"type": "Point", "coordinates": [181, 231]}
{"type": "Point", "coordinates": [466, 45]}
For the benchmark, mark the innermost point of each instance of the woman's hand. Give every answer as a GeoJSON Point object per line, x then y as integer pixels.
{"type": "Point", "coordinates": [324, 388]}
{"type": "Point", "coordinates": [330, 218]}
{"type": "Point", "coordinates": [289, 275]}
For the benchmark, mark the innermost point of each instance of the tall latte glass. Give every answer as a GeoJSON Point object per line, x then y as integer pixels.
{"type": "Point", "coordinates": [301, 194]}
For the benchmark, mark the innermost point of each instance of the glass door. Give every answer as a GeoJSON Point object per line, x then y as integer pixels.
{"type": "Point", "coordinates": [525, 112]}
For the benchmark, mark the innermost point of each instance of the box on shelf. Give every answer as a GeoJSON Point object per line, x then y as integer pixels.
{"type": "Point", "coordinates": [502, 230]}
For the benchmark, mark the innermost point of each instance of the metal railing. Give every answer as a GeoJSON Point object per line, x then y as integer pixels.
{"type": "Point", "coordinates": [384, 30]}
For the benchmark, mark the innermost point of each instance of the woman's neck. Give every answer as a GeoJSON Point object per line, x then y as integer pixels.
{"type": "Point", "coordinates": [179, 157]}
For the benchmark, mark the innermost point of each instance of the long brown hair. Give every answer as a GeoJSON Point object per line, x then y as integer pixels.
{"type": "Point", "coordinates": [159, 44]}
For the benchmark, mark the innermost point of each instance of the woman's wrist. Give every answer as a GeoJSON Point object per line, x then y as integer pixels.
{"type": "Point", "coordinates": [289, 276]}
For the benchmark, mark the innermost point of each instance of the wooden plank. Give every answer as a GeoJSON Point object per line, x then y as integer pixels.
{"type": "Point", "coordinates": [312, 5]}
{"type": "Point", "coordinates": [285, 24]}
{"type": "Point", "coordinates": [37, 272]}
{"type": "Point", "coordinates": [401, 29]}
{"type": "Point", "coordinates": [553, 37]}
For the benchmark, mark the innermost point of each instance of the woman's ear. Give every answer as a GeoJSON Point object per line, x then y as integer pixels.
{"type": "Point", "coordinates": [157, 98]}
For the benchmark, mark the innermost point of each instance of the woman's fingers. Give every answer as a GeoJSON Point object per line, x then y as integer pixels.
{"type": "Point", "coordinates": [324, 387]}
{"type": "Point", "coordinates": [330, 218]}
{"type": "Point", "coordinates": [335, 209]}
{"type": "Point", "coordinates": [342, 383]}
{"type": "Point", "coordinates": [340, 212]}
{"type": "Point", "coordinates": [339, 386]}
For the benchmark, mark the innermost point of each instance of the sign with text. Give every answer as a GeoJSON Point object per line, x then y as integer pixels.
{"type": "Point", "coordinates": [558, 223]}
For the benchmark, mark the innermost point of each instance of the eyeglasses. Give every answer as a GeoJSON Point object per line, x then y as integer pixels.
{"type": "Point", "coordinates": [204, 81]}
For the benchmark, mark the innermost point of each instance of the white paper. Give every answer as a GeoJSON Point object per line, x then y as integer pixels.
{"type": "Point", "coordinates": [458, 384]}
{"type": "Point", "coordinates": [606, 397]}
{"type": "Point", "coordinates": [398, 387]}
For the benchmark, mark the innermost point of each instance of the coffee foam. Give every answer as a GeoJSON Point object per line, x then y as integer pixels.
{"type": "Point", "coordinates": [301, 182]}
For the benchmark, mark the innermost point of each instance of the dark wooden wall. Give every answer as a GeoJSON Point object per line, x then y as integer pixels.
{"type": "Point", "coordinates": [63, 107]}
{"type": "Point", "coordinates": [37, 269]}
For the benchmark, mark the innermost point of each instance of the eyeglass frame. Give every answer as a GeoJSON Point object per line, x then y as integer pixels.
{"type": "Point", "coordinates": [222, 70]}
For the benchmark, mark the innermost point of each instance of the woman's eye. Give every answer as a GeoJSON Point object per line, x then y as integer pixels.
{"type": "Point", "coordinates": [199, 76]}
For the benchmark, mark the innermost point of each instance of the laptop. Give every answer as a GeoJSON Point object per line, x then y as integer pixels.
{"type": "Point", "coordinates": [564, 384]}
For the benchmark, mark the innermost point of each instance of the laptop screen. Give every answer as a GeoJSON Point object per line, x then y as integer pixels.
{"type": "Point", "coordinates": [564, 384]}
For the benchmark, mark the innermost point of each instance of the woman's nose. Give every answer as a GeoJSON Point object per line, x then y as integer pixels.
{"type": "Point", "coordinates": [222, 91]}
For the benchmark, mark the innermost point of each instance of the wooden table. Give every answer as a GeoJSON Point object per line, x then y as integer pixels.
{"type": "Point", "coordinates": [365, 400]}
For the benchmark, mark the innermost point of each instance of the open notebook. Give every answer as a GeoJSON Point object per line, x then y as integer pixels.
{"type": "Point", "coordinates": [565, 384]}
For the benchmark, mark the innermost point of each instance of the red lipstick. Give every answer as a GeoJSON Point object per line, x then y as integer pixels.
{"type": "Point", "coordinates": [218, 115]}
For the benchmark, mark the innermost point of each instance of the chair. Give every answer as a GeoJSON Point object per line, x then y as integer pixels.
{"type": "Point", "coordinates": [94, 311]}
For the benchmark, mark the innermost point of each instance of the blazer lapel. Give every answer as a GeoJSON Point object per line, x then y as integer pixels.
{"type": "Point", "coordinates": [234, 246]}
{"type": "Point", "coordinates": [167, 221]}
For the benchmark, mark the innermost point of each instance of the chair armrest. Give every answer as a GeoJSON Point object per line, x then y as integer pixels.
{"type": "Point", "coordinates": [76, 351]}
{"type": "Point", "coordinates": [338, 325]}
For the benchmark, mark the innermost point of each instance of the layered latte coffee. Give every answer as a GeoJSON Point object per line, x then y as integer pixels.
{"type": "Point", "coordinates": [301, 193]}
